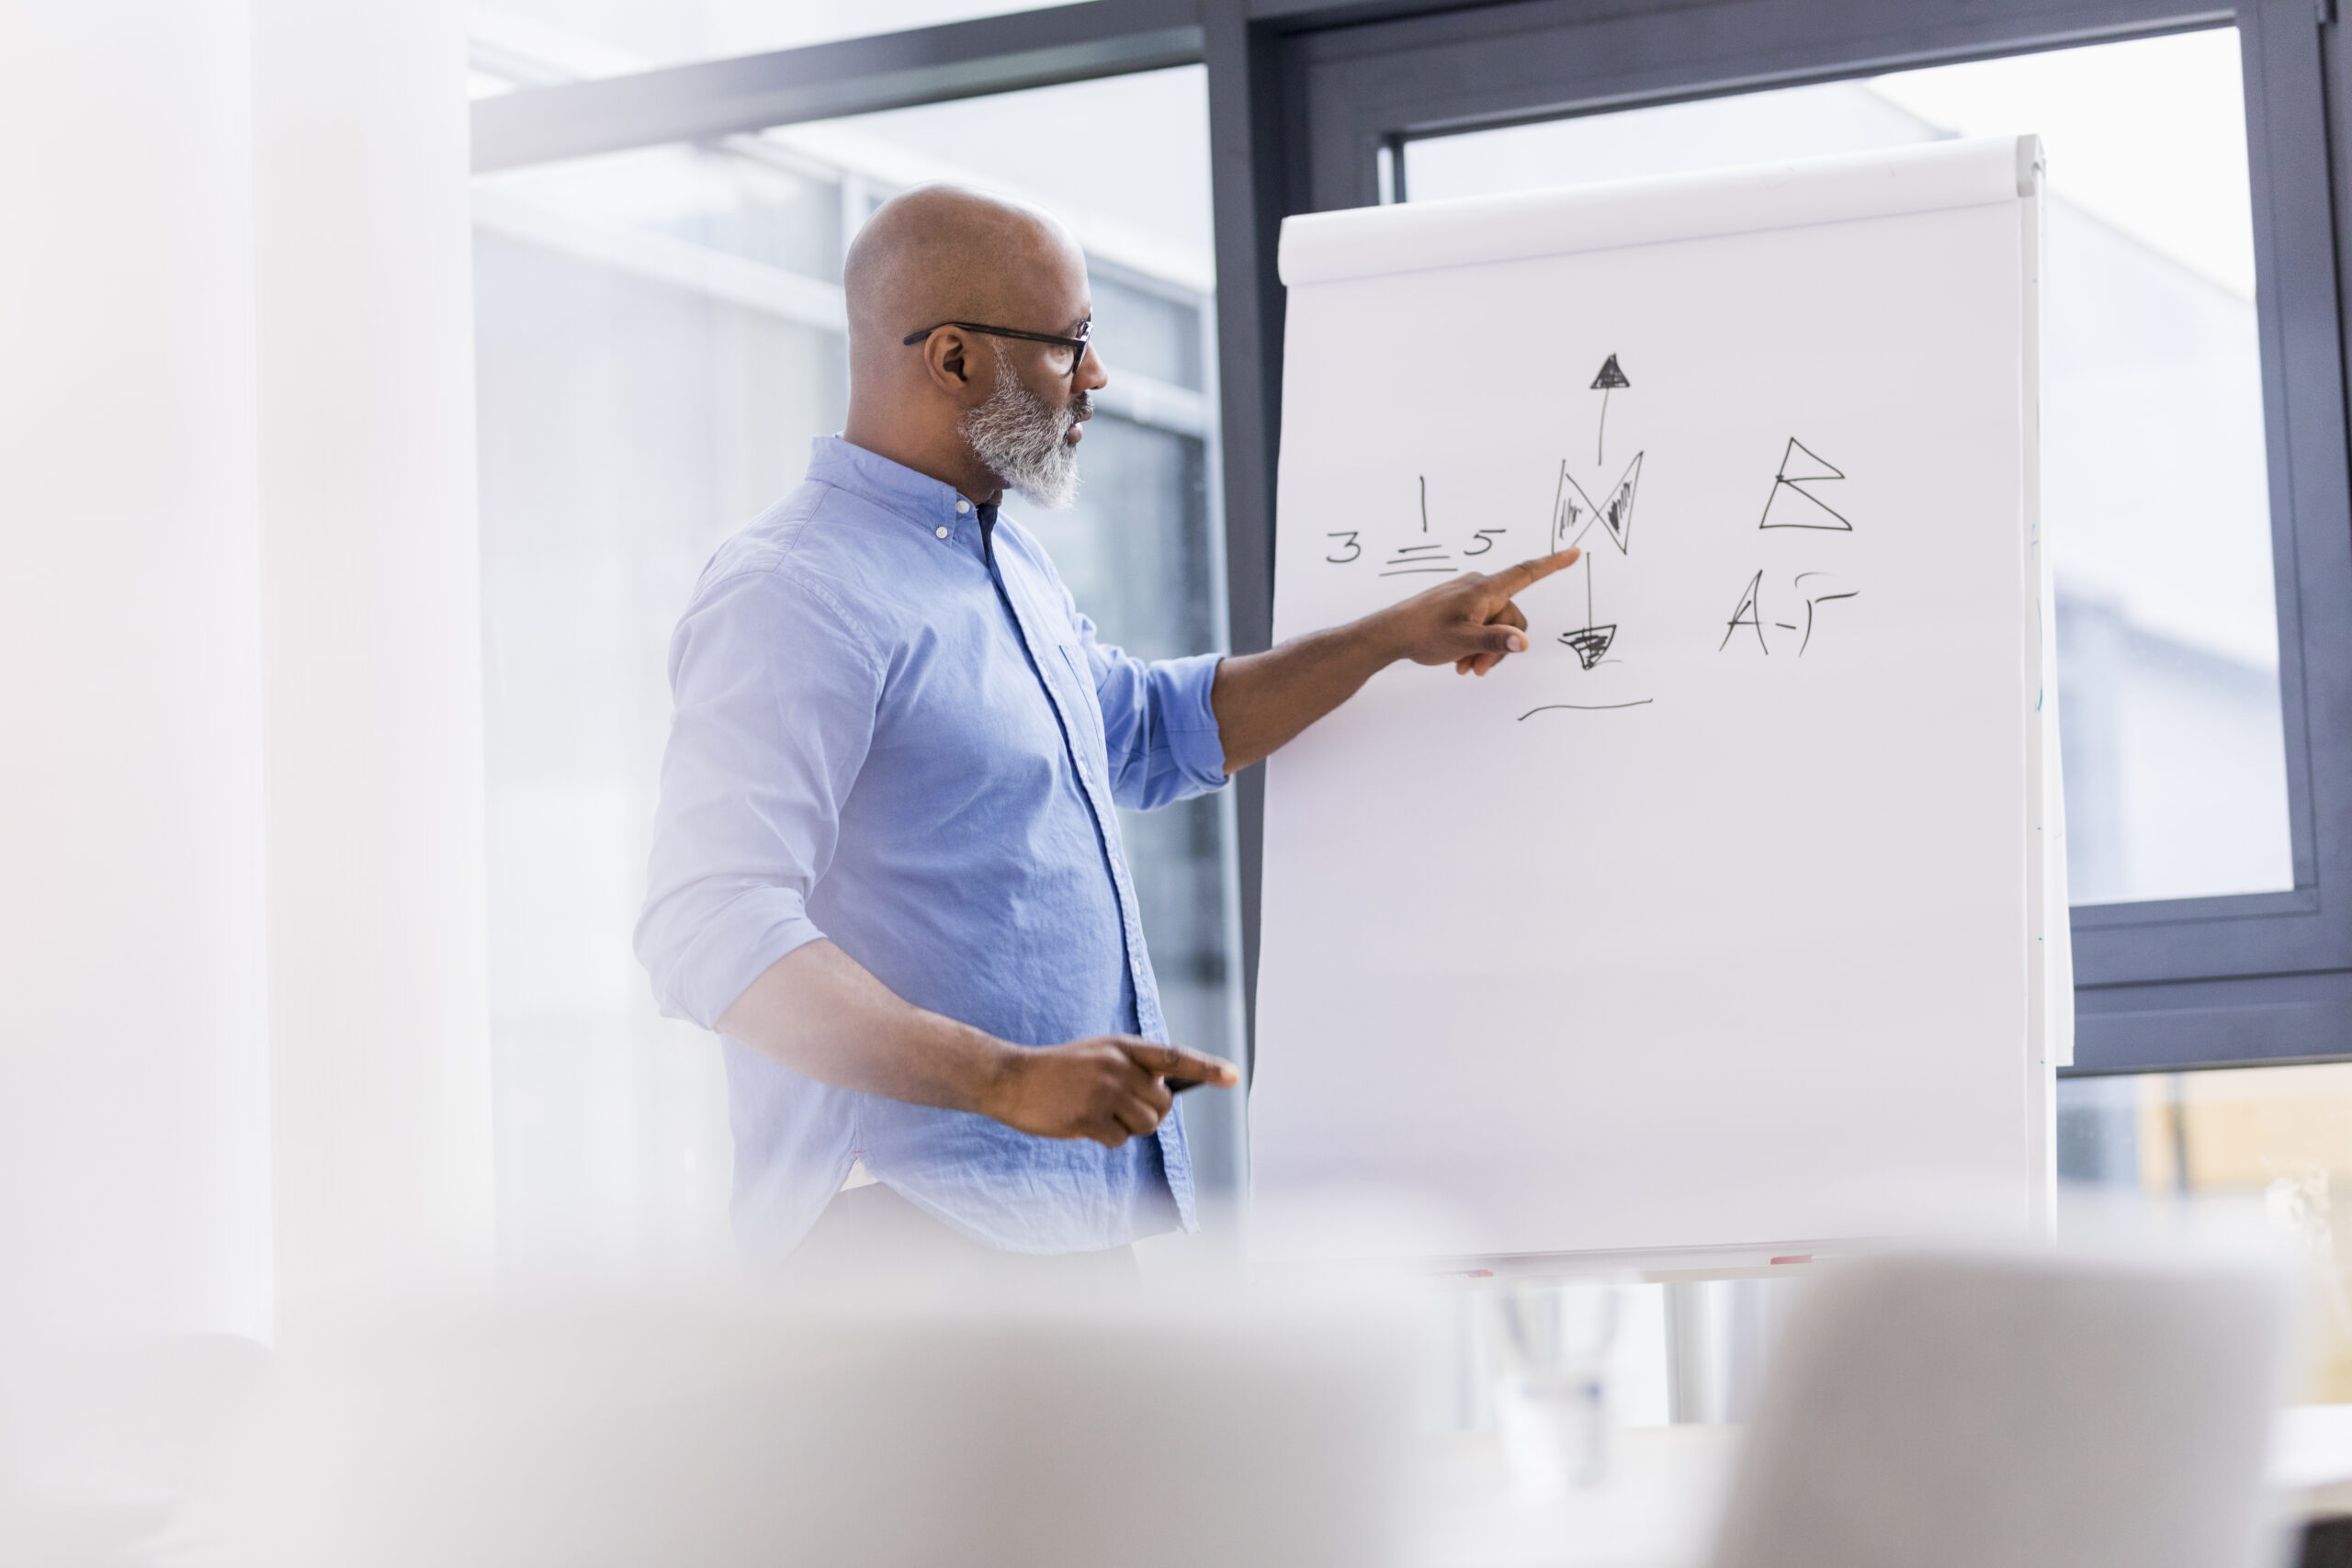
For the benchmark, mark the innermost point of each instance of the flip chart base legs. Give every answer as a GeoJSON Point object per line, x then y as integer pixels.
{"type": "Point", "coordinates": [1716, 1335]}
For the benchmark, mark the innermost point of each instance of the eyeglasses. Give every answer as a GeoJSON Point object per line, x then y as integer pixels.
{"type": "Point", "coordinates": [1077, 345]}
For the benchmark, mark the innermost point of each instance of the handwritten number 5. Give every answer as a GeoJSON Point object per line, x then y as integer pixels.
{"type": "Point", "coordinates": [1486, 538]}
{"type": "Point", "coordinates": [1353, 549]}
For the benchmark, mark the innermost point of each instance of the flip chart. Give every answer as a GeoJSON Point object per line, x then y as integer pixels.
{"type": "Point", "coordinates": [1732, 914]}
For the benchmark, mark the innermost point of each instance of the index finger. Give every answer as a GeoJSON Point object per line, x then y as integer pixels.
{"type": "Point", "coordinates": [1176, 1062]}
{"type": "Point", "coordinates": [1512, 579]}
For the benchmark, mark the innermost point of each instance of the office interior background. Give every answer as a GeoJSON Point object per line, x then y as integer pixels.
{"type": "Point", "coordinates": [674, 310]}
{"type": "Point", "coordinates": [440, 605]}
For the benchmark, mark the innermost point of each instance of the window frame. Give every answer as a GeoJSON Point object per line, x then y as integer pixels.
{"type": "Point", "coordinates": [1305, 97]}
{"type": "Point", "coordinates": [2161, 984]}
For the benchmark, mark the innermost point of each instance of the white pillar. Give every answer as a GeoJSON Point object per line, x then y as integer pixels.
{"type": "Point", "coordinates": [134, 1173]}
{"type": "Point", "coordinates": [244, 1050]}
{"type": "Point", "coordinates": [378, 995]}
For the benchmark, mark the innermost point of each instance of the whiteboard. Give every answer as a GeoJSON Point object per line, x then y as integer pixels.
{"type": "Point", "coordinates": [1731, 916]}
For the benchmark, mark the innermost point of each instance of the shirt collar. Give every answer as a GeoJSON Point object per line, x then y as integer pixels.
{"type": "Point", "coordinates": [926, 502]}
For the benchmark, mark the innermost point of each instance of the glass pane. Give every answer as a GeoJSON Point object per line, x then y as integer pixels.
{"type": "Point", "coordinates": [2245, 1131]}
{"type": "Point", "coordinates": [2175, 755]}
{"type": "Point", "coordinates": [2275, 1142]}
{"type": "Point", "coordinates": [660, 335]}
{"type": "Point", "coordinates": [526, 42]}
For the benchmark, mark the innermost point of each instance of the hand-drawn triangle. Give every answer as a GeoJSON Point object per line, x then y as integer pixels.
{"type": "Point", "coordinates": [1569, 510]}
{"type": "Point", "coordinates": [1812, 466]}
{"type": "Point", "coordinates": [1615, 513]}
{"type": "Point", "coordinates": [1591, 643]}
{"type": "Point", "coordinates": [1610, 375]}
{"type": "Point", "coordinates": [1808, 511]}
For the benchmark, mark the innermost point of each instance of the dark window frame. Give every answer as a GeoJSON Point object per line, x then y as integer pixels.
{"type": "Point", "coordinates": [2167, 983]}
{"type": "Point", "coordinates": [1305, 95]}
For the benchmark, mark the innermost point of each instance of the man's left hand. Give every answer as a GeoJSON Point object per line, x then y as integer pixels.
{"type": "Point", "coordinates": [1469, 623]}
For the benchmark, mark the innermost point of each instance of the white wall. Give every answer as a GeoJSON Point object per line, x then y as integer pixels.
{"type": "Point", "coordinates": [241, 1037]}
{"type": "Point", "coordinates": [133, 1102]}
{"type": "Point", "coordinates": [379, 1009]}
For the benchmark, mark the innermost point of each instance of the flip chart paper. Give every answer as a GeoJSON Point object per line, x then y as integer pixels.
{"type": "Point", "coordinates": [1717, 919]}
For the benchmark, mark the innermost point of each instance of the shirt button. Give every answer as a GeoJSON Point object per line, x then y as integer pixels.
{"type": "Point", "coordinates": [941, 531]}
{"type": "Point", "coordinates": [962, 507]}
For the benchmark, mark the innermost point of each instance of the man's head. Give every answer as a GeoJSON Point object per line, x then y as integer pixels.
{"type": "Point", "coordinates": [982, 412]}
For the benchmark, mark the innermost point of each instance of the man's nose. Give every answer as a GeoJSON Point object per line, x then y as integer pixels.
{"type": "Point", "coordinates": [1091, 372]}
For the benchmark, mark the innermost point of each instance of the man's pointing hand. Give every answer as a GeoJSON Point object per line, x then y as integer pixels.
{"type": "Point", "coordinates": [1469, 623]}
{"type": "Point", "coordinates": [1109, 1089]}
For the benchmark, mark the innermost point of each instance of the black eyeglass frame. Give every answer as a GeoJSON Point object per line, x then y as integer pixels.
{"type": "Point", "coordinates": [1078, 345]}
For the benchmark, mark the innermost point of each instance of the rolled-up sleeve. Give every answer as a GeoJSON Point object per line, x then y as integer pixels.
{"type": "Point", "coordinates": [775, 695]}
{"type": "Point", "coordinates": [1158, 729]}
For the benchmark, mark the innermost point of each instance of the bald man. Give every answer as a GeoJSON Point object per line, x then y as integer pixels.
{"type": "Point", "coordinates": [886, 865]}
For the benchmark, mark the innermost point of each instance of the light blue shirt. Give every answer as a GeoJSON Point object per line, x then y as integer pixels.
{"type": "Point", "coordinates": [883, 739]}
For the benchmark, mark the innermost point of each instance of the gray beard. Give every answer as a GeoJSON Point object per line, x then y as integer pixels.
{"type": "Point", "coordinates": [1023, 440]}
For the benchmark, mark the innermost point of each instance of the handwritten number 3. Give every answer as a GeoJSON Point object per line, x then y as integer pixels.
{"type": "Point", "coordinates": [1353, 549]}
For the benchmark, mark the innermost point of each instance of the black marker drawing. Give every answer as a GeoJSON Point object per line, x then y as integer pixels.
{"type": "Point", "coordinates": [1585, 707]}
{"type": "Point", "coordinates": [1746, 614]}
{"type": "Point", "coordinates": [1567, 515]}
{"type": "Point", "coordinates": [1486, 538]}
{"type": "Point", "coordinates": [1590, 641]}
{"type": "Point", "coordinates": [1750, 610]}
{"type": "Point", "coordinates": [1795, 476]}
{"type": "Point", "coordinates": [1417, 559]}
{"type": "Point", "coordinates": [1412, 560]}
{"type": "Point", "coordinates": [1353, 549]}
{"type": "Point", "coordinates": [1609, 378]}
{"type": "Point", "coordinates": [1812, 599]}
{"type": "Point", "coordinates": [1572, 512]}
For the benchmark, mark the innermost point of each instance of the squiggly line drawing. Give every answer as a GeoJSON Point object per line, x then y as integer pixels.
{"type": "Point", "coordinates": [1585, 707]}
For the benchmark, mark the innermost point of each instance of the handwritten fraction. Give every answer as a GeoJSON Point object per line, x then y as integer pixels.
{"type": "Point", "coordinates": [1423, 553]}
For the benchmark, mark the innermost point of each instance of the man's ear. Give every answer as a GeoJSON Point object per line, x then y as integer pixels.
{"type": "Point", "coordinates": [946, 354]}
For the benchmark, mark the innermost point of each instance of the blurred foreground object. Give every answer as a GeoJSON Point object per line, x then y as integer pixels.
{"type": "Point", "coordinates": [704, 1435]}
{"type": "Point", "coordinates": [100, 1435]}
{"type": "Point", "coordinates": [2007, 1410]}
{"type": "Point", "coordinates": [1551, 1344]}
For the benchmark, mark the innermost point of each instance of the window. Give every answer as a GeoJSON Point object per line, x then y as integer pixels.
{"type": "Point", "coordinates": [2193, 696]}
{"type": "Point", "coordinates": [660, 332]}
{"type": "Point", "coordinates": [659, 261]}
{"type": "Point", "coordinates": [2155, 483]}
{"type": "Point", "coordinates": [2275, 1142]}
